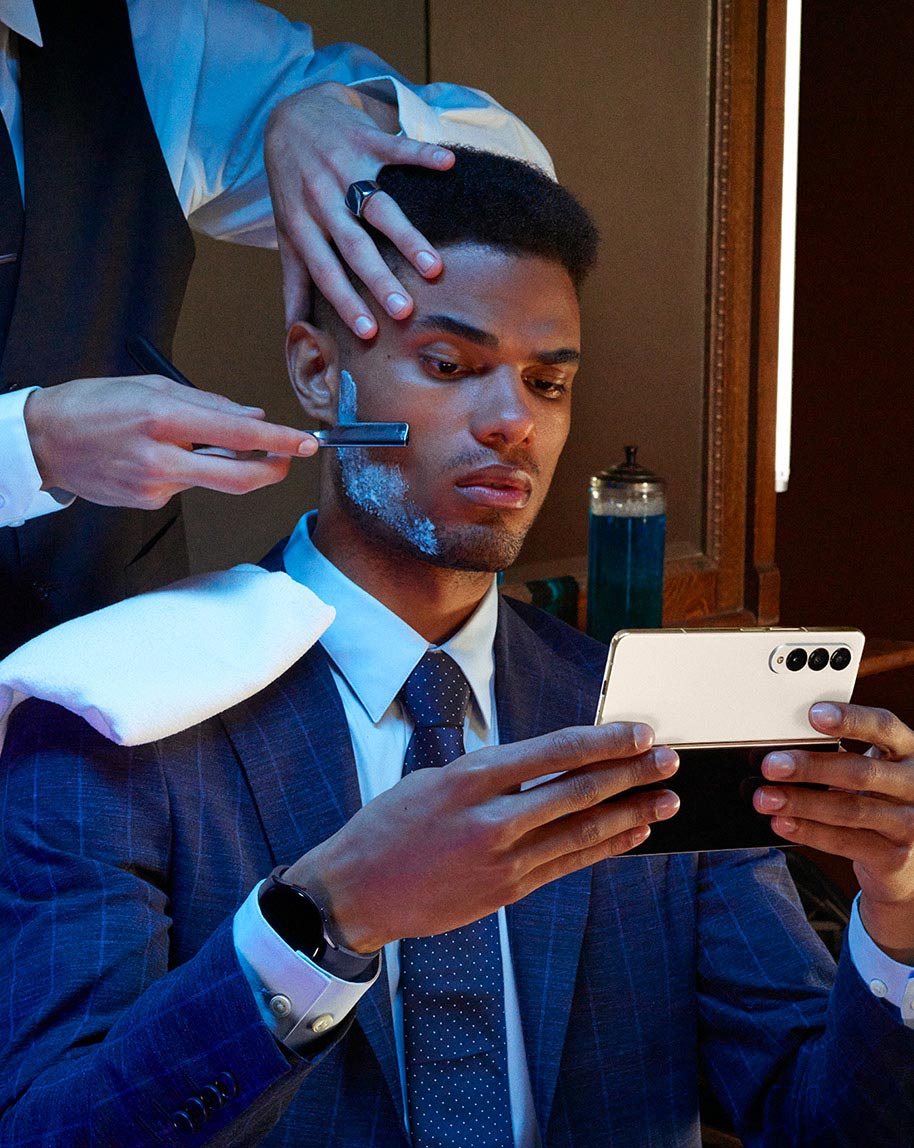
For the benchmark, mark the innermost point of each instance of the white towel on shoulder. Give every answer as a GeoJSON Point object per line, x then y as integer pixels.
{"type": "Point", "coordinates": [160, 662]}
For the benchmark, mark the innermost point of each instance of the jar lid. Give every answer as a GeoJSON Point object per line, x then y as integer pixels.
{"type": "Point", "coordinates": [630, 471]}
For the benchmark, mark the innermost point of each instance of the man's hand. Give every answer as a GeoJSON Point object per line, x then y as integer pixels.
{"type": "Point", "coordinates": [317, 143]}
{"type": "Point", "coordinates": [866, 814]}
{"type": "Point", "coordinates": [127, 441]}
{"type": "Point", "coordinates": [447, 846]}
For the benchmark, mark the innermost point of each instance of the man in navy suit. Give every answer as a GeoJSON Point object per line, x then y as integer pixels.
{"type": "Point", "coordinates": [161, 986]}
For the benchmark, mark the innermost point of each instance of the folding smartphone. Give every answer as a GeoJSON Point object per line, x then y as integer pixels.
{"type": "Point", "coordinates": [724, 699]}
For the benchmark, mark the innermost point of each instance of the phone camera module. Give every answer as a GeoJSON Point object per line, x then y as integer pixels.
{"type": "Point", "coordinates": [818, 659]}
{"type": "Point", "coordinates": [841, 658]}
{"type": "Point", "coordinates": [796, 659]}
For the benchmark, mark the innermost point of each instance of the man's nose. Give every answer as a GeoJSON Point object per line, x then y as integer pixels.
{"type": "Point", "coordinates": [504, 412]}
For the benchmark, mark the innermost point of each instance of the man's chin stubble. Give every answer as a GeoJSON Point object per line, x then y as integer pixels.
{"type": "Point", "coordinates": [475, 548]}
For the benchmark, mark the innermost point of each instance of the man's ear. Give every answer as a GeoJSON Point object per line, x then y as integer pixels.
{"type": "Point", "coordinates": [313, 361]}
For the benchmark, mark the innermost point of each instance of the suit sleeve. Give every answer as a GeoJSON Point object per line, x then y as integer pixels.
{"type": "Point", "coordinates": [103, 1043]}
{"type": "Point", "coordinates": [799, 1054]}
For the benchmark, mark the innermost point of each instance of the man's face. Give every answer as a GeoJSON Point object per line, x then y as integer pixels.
{"type": "Point", "coordinates": [482, 372]}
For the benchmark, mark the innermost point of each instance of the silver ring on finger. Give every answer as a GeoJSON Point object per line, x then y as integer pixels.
{"type": "Point", "coordinates": [359, 193]}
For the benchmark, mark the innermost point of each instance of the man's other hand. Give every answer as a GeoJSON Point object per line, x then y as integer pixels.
{"type": "Point", "coordinates": [865, 814]}
{"type": "Point", "coordinates": [447, 846]}
{"type": "Point", "coordinates": [127, 441]}
{"type": "Point", "coordinates": [317, 143]}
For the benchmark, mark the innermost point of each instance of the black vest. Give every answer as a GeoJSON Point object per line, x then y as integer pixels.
{"type": "Point", "coordinates": [106, 252]}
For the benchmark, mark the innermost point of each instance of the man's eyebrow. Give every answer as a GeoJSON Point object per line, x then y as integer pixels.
{"type": "Point", "coordinates": [554, 358]}
{"type": "Point", "coordinates": [456, 327]}
{"type": "Point", "coordinates": [487, 339]}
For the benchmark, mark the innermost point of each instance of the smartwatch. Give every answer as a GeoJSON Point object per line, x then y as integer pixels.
{"type": "Point", "coordinates": [299, 919]}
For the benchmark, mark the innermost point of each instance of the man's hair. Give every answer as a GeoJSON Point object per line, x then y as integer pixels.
{"type": "Point", "coordinates": [493, 201]}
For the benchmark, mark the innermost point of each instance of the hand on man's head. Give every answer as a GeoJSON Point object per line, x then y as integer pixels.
{"type": "Point", "coordinates": [317, 143]}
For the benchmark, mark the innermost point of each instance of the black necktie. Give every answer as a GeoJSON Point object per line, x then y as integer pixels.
{"type": "Point", "coordinates": [12, 219]}
{"type": "Point", "coordinates": [453, 998]}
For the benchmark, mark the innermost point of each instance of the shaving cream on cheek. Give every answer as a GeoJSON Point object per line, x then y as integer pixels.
{"type": "Point", "coordinates": [348, 400]}
{"type": "Point", "coordinates": [380, 489]}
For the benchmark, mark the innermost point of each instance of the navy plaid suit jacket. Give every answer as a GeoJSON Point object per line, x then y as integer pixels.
{"type": "Point", "coordinates": [122, 995]}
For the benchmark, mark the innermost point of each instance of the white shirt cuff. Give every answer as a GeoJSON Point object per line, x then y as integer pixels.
{"type": "Point", "coordinates": [298, 1001]}
{"type": "Point", "coordinates": [886, 979]}
{"type": "Point", "coordinates": [21, 496]}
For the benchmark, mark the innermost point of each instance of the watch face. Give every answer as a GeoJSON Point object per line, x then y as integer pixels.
{"type": "Point", "coordinates": [295, 917]}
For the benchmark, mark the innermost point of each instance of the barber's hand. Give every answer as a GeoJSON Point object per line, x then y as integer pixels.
{"type": "Point", "coordinates": [866, 814]}
{"type": "Point", "coordinates": [127, 441]}
{"type": "Point", "coordinates": [317, 143]}
{"type": "Point", "coordinates": [447, 846]}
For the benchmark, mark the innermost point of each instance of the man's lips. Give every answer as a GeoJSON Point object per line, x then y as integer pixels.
{"type": "Point", "coordinates": [506, 487]}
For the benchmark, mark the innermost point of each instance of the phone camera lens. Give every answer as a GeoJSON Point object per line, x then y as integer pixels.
{"type": "Point", "coordinates": [818, 659]}
{"type": "Point", "coordinates": [796, 659]}
{"type": "Point", "coordinates": [841, 658]}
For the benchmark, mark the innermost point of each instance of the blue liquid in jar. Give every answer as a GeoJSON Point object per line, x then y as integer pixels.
{"type": "Point", "coordinates": [625, 573]}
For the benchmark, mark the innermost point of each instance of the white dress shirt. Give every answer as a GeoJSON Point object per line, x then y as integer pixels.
{"type": "Point", "coordinates": [211, 73]}
{"type": "Point", "coordinates": [368, 685]}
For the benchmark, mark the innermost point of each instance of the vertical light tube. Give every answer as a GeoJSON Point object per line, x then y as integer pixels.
{"type": "Point", "coordinates": [788, 246]}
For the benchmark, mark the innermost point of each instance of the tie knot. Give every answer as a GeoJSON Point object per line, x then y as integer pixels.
{"type": "Point", "coordinates": [436, 693]}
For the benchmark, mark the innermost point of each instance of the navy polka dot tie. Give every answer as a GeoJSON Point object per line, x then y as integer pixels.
{"type": "Point", "coordinates": [453, 999]}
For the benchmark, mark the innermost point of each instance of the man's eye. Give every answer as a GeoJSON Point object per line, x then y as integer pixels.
{"type": "Point", "coordinates": [548, 387]}
{"type": "Point", "coordinates": [443, 367]}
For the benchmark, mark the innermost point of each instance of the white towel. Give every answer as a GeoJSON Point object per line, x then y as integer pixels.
{"type": "Point", "coordinates": [160, 662]}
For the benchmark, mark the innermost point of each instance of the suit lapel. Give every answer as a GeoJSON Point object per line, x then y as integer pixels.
{"type": "Point", "coordinates": [537, 692]}
{"type": "Point", "coordinates": [293, 743]}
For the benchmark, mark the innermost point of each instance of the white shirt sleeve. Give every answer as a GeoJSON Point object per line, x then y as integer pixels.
{"type": "Point", "coordinates": [299, 1001]}
{"type": "Point", "coordinates": [214, 71]}
{"type": "Point", "coordinates": [21, 496]}
{"type": "Point", "coordinates": [885, 978]}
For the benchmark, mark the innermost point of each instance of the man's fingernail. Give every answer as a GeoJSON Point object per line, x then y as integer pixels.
{"type": "Point", "coordinates": [363, 326]}
{"type": "Point", "coordinates": [307, 446]}
{"type": "Point", "coordinates": [783, 825]}
{"type": "Point", "coordinates": [442, 156]}
{"type": "Point", "coordinates": [825, 713]}
{"type": "Point", "coordinates": [768, 800]}
{"type": "Point", "coordinates": [254, 410]}
{"type": "Point", "coordinates": [666, 759]}
{"type": "Point", "coordinates": [425, 261]}
{"type": "Point", "coordinates": [779, 765]}
{"type": "Point", "coordinates": [666, 805]}
{"type": "Point", "coordinates": [396, 303]}
{"type": "Point", "coordinates": [643, 736]}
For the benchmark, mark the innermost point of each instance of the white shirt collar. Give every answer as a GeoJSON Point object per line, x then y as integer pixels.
{"type": "Point", "coordinates": [363, 626]}
{"type": "Point", "coordinates": [20, 16]}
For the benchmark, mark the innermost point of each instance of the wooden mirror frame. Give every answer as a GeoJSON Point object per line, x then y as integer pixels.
{"type": "Point", "coordinates": [735, 579]}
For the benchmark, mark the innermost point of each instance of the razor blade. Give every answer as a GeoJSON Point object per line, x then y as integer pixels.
{"type": "Point", "coordinates": [363, 434]}
{"type": "Point", "coordinates": [350, 432]}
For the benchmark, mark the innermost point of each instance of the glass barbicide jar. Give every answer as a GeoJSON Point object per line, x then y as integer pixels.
{"type": "Point", "coordinates": [625, 551]}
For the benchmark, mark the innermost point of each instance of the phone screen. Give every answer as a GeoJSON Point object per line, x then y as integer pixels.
{"type": "Point", "coordinates": [715, 785]}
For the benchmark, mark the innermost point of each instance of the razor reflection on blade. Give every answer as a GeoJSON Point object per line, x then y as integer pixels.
{"type": "Point", "coordinates": [348, 431]}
